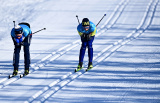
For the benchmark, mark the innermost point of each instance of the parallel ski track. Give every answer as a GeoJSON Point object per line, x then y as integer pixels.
{"type": "Point", "coordinates": [112, 20]}
{"type": "Point", "coordinates": [55, 55]}
{"type": "Point", "coordinates": [57, 85]}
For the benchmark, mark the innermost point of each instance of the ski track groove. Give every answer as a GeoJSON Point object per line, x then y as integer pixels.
{"type": "Point", "coordinates": [121, 5]}
{"type": "Point", "coordinates": [59, 84]}
{"type": "Point", "coordinates": [41, 63]}
{"type": "Point", "coordinates": [66, 79]}
{"type": "Point", "coordinates": [147, 26]}
{"type": "Point", "coordinates": [54, 55]}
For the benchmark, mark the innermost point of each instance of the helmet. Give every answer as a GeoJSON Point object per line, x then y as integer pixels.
{"type": "Point", "coordinates": [85, 22]}
{"type": "Point", "coordinates": [18, 29]}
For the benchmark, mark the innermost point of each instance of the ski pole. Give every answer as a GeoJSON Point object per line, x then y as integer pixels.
{"type": "Point", "coordinates": [39, 30]}
{"type": "Point", "coordinates": [14, 23]}
{"type": "Point", "coordinates": [77, 19]}
{"type": "Point", "coordinates": [101, 20]}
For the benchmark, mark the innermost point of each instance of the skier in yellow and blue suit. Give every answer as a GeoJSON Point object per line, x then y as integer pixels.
{"type": "Point", "coordinates": [87, 31]}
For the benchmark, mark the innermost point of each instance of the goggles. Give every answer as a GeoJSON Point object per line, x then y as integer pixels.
{"type": "Point", "coordinates": [18, 32]}
{"type": "Point", "coordinates": [18, 36]}
{"type": "Point", "coordinates": [86, 27]}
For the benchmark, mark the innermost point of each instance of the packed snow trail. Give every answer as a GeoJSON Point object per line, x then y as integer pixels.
{"type": "Point", "coordinates": [59, 84]}
{"type": "Point", "coordinates": [54, 55]}
{"type": "Point", "coordinates": [126, 54]}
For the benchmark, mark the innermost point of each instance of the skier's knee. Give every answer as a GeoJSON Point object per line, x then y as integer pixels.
{"type": "Point", "coordinates": [83, 48]}
{"type": "Point", "coordinates": [89, 46]}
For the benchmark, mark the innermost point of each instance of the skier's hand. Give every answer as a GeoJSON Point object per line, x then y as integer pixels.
{"type": "Point", "coordinates": [88, 36]}
{"type": "Point", "coordinates": [21, 43]}
{"type": "Point", "coordinates": [18, 44]}
{"type": "Point", "coordinates": [83, 35]}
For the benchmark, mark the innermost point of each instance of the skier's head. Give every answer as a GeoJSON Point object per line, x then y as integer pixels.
{"type": "Point", "coordinates": [18, 31]}
{"type": "Point", "coordinates": [85, 23]}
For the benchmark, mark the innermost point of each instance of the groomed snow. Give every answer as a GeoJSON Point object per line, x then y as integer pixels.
{"type": "Point", "coordinates": [126, 52]}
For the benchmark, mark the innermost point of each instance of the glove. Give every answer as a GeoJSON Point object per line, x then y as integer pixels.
{"type": "Point", "coordinates": [19, 41]}
{"type": "Point", "coordinates": [18, 44]}
{"type": "Point", "coordinates": [88, 37]}
{"type": "Point", "coordinates": [83, 35]}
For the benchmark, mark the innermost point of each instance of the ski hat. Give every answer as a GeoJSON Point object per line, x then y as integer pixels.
{"type": "Point", "coordinates": [18, 29]}
{"type": "Point", "coordinates": [85, 22]}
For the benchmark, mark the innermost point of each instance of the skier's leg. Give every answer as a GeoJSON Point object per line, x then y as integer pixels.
{"type": "Point", "coordinates": [16, 57]}
{"type": "Point", "coordinates": [81, 55]}
{"type": "Point", "coordinates": [26, 57]}
{"type": "Point", "coordinates": [27, 53]}
{"type": "Point", "coordinates": [82, 51]}
{"type": "Point", "coordinates": [90, 50]}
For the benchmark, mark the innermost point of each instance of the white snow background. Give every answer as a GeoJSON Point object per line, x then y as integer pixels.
{"type": "Point", "coordinates": [126, 52]}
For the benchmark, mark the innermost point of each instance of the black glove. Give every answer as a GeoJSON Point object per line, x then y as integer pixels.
{"type": "Point", "coordinates": [19, 44]}
{"type": "Point", "coordinates": [83, 36]}
{"type": "Point", "coordinates": [88, 37]}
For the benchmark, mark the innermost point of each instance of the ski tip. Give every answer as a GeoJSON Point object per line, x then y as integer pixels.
{"type": "Point", "coordinates": [9, 76]}
{"type": "Point", "coordinates": [75, 70]}
{"type": "Point", "coordinates": [21, 75]}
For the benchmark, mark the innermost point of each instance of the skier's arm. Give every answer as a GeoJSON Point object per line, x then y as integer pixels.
{"type": "Point", "coordinates": [15, 41]}
{"type": "Point", "coordinates": [93, 33]}
{"type": "Point", "coordinates": [80, 33]}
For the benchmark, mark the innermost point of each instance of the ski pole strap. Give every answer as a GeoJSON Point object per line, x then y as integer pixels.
{"type": "Point", "coordinates": [39, 31]}
{"type": "Point", "coordinates": [101, 20]}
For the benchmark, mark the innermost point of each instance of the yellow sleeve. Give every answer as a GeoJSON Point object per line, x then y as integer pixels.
{"type": "Point", "coordinates": [80, 33]}
{"type": "Point", "coordinates": [93, 33]}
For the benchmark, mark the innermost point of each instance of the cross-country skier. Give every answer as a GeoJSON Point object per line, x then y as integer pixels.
{"type": "Point", "coordinates": [87, 31]}
{"type": "Point", "coordinates": [21, 36]}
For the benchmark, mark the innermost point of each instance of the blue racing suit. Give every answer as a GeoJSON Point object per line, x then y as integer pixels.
{"type": "Point", "coordinates": [87, 38]}
{"type": "Point", "coordinates": [25, 41]}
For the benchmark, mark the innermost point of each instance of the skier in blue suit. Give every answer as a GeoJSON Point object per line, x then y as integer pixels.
{"type": "Point", "coordinates": [21, 36]}
{"type": "Point", "coordinates": [87, 31]}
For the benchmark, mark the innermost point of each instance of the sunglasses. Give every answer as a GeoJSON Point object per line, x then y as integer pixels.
{"type": "Point", "coordinates": [18, 36]}
{"type": "Point", "coordinates": [86, 27]}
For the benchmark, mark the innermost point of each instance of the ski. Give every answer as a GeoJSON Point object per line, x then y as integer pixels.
{"type": "Point", "coordinates": [89, 68]}
{"type": "Point", "coordinates": [11, 76]}
{"type": "Point", "coordinates": [76, 70]}
{"type": "Point", "coordinates": [23, 75]}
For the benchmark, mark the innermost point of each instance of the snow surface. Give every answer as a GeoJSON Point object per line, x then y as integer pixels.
{"type": "Point", "coordinates": [126, 52]}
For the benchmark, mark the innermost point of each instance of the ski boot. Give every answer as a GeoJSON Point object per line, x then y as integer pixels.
{"type": "Point", "coordinates": [90, 66]}
{"type": "Point", "coordinates": [79, 67]}
{"type": "Point", "coordinates": [15, 72]}
{"type": "Point", "coordinates": [26, 72]}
